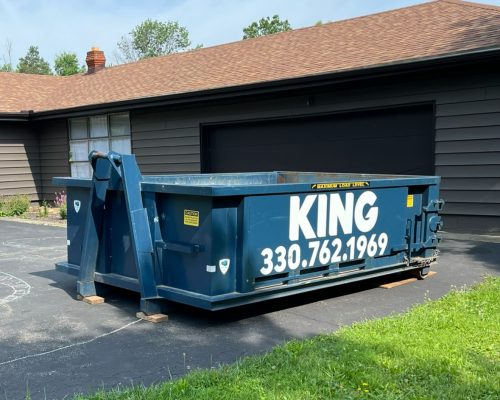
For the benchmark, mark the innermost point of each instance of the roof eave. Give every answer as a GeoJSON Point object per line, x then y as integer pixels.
{"type": "Point", "coordinates": [373, 71]}
{"type": "Point", "coordinates": [16, 116]}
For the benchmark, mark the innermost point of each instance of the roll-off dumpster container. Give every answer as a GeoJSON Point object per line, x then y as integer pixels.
{"type": "Point", "coordinates": [219, 240]}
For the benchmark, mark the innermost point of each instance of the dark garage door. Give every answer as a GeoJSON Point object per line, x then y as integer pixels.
{"type": "Point", "coordinates": [394, 141]}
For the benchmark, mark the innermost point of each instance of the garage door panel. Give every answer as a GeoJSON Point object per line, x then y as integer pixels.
{"type": "Point", "coordinates": [384, 141]}
{"type": "Point", "coordinates": [351, 157]}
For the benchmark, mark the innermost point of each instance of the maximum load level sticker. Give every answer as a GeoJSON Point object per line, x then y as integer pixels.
{"type": "Point", "coordinates": [191, 218]}
{"type": "Point", "coordinates": [340, 185]}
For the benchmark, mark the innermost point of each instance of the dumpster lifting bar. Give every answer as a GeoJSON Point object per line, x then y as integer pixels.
{"type": "Point", "coordinates": [109, 172]}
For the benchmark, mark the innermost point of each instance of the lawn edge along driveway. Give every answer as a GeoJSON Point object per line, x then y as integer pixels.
{"type": "Point", "coordinates": [446, 349]}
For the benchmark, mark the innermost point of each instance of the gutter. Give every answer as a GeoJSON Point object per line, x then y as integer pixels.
{"type": "Point", "coordinates": [377, 71]}
{"type": "Point", "coordinates": [16, 116]}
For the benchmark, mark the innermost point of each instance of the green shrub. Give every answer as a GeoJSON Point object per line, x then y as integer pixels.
{"type": "Point", "coordinates": [43, 210]}
{"type": "Point", "coordinates": [60, 202]}
{"type": "Point", "coordinates": [63, 212]}
{"type": "Point", "coordinates": [14, 205]}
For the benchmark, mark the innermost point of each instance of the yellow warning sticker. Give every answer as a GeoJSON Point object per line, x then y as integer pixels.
{"type": "Point", "coordinates": [409, 201]}
{"type": "Point", "coordinates": [339, 185]}
{"type": "Point", "coordinates": [191, 218]}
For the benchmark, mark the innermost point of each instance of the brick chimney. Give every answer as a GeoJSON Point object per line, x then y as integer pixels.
{"type": "Point", "coordinates": [95, 60]}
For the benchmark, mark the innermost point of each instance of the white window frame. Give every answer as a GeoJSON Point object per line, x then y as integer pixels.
{"type": "Point", "coordinates": [85, 170]}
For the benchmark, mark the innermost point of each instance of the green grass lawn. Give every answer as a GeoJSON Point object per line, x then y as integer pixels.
{"type": "Point", "coordinates": [445, 349]}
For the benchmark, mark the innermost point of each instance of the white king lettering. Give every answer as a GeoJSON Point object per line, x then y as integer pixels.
{"type": "Point", "coordinates": [333, 212]}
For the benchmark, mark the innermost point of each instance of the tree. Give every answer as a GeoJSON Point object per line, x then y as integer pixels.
{"type": "Point", "coordinates": [33, 63]}
{"type": "Point", "coordinates": [7, 59]}
{"type": "Point", "coordinates": [266, 26]}
{"type": "Point", "coordinates": [67, 64]}
{"type": "Point", "coordinates": [6, 67]}
{"type": "Point", "coordinates": [152, 38]}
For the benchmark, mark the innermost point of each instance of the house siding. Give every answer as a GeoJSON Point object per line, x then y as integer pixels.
{"type": "Point", "coordinates": [20, 171]}
{"type": "Point", "coordinates": [467, 130]}
{"type": "Point", "coordinates": [54, 155]}
{"type": "Point", "coordinates": [162, 146]}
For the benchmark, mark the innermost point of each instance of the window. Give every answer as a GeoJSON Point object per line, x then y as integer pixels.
{"type": "Point", "coordinates": [102, 133]}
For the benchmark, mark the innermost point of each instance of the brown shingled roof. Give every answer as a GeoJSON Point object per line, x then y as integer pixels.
{"type": "Point", "coordinates": [418, 32]}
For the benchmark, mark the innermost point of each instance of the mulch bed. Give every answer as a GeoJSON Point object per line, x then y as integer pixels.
{"type": "Point", "coordinates": [35, 216]}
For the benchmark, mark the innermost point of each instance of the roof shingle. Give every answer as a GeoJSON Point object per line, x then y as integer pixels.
{"type": "Point", "coordinates": [423, 31]}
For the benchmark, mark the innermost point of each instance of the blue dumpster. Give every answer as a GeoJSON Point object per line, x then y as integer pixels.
{"type": "Point", "coordinates": [220, 240]}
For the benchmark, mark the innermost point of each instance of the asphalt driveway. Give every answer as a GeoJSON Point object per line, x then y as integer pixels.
{"type": "Point", "coordinates": [52, 346]}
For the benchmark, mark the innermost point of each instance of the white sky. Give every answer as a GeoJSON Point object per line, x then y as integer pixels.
{"type": "Point", "coordinates": [70, 25]}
